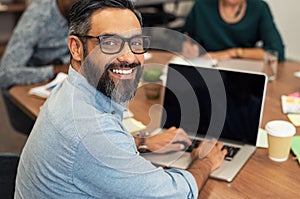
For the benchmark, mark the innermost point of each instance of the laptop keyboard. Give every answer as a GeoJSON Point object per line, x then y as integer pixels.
{"type": "Point", "coordinates": [231, 151]}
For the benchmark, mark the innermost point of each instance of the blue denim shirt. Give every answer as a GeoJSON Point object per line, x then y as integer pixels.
{"type": "Point", "coordinates": [79, 148]}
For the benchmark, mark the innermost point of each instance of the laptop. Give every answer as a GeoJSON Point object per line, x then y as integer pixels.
{"type": "Point", "coordinates": [213, 103]}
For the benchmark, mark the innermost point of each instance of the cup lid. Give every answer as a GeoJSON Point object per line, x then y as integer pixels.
{"type": "Point", "coordinates": [280, 128]}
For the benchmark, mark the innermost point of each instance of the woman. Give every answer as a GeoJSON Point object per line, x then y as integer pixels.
{"type": "Point", "coordinates": [232, 29]}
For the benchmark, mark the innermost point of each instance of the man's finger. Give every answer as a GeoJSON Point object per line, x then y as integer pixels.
{"type": "Point", "coordinates": [206, 147]}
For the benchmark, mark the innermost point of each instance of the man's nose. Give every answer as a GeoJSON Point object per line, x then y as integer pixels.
{"type": "Point", "coordinates": [126, 55]}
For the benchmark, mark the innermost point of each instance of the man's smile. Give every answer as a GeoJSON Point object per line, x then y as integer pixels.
{"type": "Point", "coordinates": [122, 72]}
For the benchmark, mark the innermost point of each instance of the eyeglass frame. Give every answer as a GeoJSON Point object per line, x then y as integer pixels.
{"type": "Point", "coordinates": [127, 40]}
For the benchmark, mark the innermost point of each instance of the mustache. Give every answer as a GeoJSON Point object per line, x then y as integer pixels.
{"type": "Point", "coordinates": [121, 65]}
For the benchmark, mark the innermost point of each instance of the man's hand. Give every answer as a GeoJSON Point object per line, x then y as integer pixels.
{"type": "Point", "coordinates": [173, 139]}
{"type": "Point", "coordinates": [211, 150]}
{"type": "Point", "coordinates": [206, 158]}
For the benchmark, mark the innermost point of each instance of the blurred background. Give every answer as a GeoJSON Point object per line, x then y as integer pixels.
{"type": "Point", "coordinates": [169, 14]}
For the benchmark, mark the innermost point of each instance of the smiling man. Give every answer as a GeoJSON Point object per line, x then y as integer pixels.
{"type": "Point", "coordinates": [78, 147]}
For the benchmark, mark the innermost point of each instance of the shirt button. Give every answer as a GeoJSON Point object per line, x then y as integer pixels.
{"type": "Point", "coordinates": [113, 112]}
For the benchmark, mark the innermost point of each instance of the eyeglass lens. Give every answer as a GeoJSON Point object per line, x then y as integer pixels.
{"type": "Point", "coordinates": [114, 44]}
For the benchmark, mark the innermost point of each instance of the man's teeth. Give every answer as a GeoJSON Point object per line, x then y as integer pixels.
{"type": "Point", "coordinates": [123, 72]}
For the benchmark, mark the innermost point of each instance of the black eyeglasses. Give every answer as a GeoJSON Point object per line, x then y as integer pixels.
{"type": "Point", "coordinates": [113, 44]}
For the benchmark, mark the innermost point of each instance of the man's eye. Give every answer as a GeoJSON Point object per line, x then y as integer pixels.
{"type": "Point", "coordinates": [137, 43]}
{"type": "Point", "coordinates": [109, 43]}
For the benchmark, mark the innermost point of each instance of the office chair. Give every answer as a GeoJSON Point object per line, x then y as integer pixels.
{"type": "Point", "coordinates": [8, 171]}
{"type": "Point", "coordinates": [156, 16]}
{"type": "Point", "coordinates": [18, 119]}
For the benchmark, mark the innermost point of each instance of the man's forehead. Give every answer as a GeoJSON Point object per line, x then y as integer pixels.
{"type": "Point", "coordinates": [115, 21]}
{"type": "Point", "coordinates": [126, 34]}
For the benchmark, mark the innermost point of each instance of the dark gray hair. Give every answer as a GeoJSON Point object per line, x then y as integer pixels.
{"type": "Point", "coordinates": [81, 11]}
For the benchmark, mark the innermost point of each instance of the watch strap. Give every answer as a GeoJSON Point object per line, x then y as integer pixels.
{"type": "Point", "coordinates": [142, 146]}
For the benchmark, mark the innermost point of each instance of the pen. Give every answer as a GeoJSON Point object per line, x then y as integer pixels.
{"type": "Point", "coordinates": [50, 87]}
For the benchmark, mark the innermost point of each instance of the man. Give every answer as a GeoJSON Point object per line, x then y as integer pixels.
{"type": "Point", "coordinates": [36, 52]}
{"type": "Point", "coordinates": [78, 147]}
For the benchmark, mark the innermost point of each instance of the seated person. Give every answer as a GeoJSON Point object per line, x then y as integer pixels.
{"type": "Point", "coordinates": [36, 52]}
{"type": "Point", "coordinates": [231, 29]}
{"type": "Point", "coordinates": [32, 59]}
{"type": "Point", "coordinates": [78, 147]}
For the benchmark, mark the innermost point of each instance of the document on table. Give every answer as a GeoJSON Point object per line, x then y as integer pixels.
{"type": "Point", "coordinates": [45, 90]}
{"type": "Point", "coordinates": [262, 138]}
{"type": "Point", "coordinates": [294, 118]}
{"type": "Point", "coordinates": [236, 64]}
{"type": "Point", "coordinates": [132, 125]}
{"type": "Point", "coordinates": [242, 64]}
{"type": "Point", "coordinates": [201, 62]}
{"type": "Point", "coordinates": [290, 104]}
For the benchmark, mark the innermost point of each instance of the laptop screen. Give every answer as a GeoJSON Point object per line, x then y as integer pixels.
{"type": "Point", "coordinates": [214, 102]}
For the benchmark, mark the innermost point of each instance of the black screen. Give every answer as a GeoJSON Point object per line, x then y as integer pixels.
{"type": "Point", "coordinates": [214, 102]}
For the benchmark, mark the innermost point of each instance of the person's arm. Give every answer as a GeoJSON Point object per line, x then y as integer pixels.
{"type": "Point", "coordinates": [190, 48]}
{"type": "Point", "coordinates": [173, 139]}
{"type": "Point", "coordinates": [108, 165]}
{"type": "Point", "coordinates": [201, 169]}
{"type": "Point", "coordinates": [21, 47]}
{"type": "Point", "coordinates": [207, 157]}
{"type": "Point", "coordinates": [242, 53]}
{"type": "Point", "coordinates": [269, 36]}
{"type": "Point", "coordinates": [269, 33]}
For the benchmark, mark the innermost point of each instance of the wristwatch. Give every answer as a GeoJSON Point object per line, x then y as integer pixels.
{"type": "Point", "coordinates": [142, 147]}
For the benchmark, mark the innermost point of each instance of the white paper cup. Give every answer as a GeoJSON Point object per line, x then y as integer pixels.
{"type": "Point", "coordinates": [280, 135]}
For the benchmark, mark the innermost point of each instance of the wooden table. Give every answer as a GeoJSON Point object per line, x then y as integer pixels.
{"type": "Point", "coordinates": [260, 177]}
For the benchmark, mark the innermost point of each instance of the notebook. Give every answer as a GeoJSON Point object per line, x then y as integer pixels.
{"type": "Point", "coordinates": [212, 102]}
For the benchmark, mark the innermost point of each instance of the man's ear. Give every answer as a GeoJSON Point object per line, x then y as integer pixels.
{"type": "Point", "coordinates": [76, 48]}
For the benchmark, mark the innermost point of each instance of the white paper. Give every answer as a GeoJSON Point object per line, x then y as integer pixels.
{"type": "Point", "coordinates": [45, 90]}
{"type": "Point", "coordinates": [132, 125]}
{"type": "Point", "coordinates": [201, 62]}
{"type": "Point", "coordinates": [127, 114]}
{"type": "Point", "coordinates": [290, 104]}
{"type": "Point", "coordinates": [242, 64]}
{"type": "Point", "coordinates": [262, 138]}
{"type": "Point", "coordinates": [294, 118]}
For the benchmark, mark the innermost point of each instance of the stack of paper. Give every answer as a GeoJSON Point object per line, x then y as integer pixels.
{"type": "Point", "coordinates": [45, 90]}
{"type": "Point", "coordinates": [290, 104]}
{"type": "Point", "coordinates": [291, 107]}
{"type": "Point", "coordinates": [132, 125]}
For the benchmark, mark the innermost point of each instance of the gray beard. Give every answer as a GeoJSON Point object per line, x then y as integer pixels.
{"type": "Point", "coordinates": [121, 91]}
